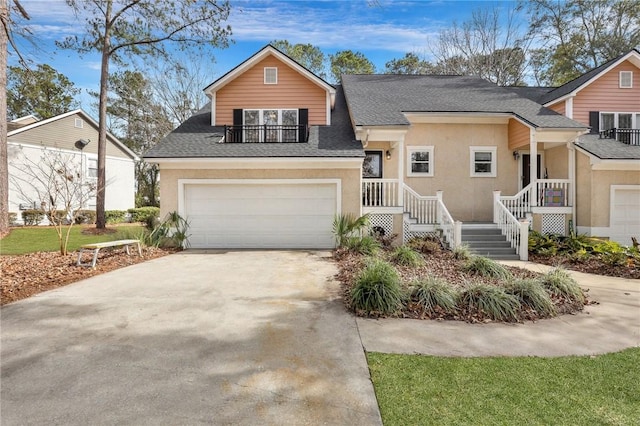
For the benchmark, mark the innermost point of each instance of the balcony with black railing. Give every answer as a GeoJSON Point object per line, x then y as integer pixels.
{"type": "Point", "coordinates": [266, 133]}
{"type": "Point", "coordinates": [626, 136]}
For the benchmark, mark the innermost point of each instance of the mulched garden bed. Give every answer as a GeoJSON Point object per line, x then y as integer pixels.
{"type": "Point", "coordinates": [594, 265]}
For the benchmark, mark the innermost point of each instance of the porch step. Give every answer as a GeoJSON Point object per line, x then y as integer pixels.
{"type": "Point", "coordinates": [485, 239]}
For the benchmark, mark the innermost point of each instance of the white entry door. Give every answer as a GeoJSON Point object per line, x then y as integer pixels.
{"type": "Point", "coordinates": [260, 214]}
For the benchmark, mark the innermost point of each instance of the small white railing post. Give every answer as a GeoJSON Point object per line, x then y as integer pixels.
{"type": "Point", "coordinates": [438, 208]}
{"type": "Point", "coordinates": [496, 200]}
{"type": "Point", "coordinates": [457, 235]}
{"type": "Point", "coordinates": [523, 250]}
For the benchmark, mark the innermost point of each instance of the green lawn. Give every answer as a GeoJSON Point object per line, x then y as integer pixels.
{"type": "Point", "coordinates": [424, 390]}
{"type": "Point", "coordinates": [45, 238]}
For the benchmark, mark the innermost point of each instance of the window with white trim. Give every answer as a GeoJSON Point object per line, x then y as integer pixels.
{"type": "Point", "coordinates": [484, 162]}
{"type": "Point", "coordinates": [270, 75]}
{"type": "Point", "coordinates": [92, 167]}
{"type": "Point", "coordinates": [284, 122]}
{"type": "Point", "coordinates": [626, 79]}
{"type": "Point", "coordinates": [420, 161]}
{"type": "Point", "coordinates": [619, 120]}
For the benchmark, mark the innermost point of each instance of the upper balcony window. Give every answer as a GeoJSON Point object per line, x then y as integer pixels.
{"type": "Point", "coordinates": [270, 75]}
{"type": "Point", "coordinates": [626, 79]}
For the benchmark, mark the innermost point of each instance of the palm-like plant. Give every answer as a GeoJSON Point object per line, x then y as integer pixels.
{"type": "Point", "coordinates": [348, 225]}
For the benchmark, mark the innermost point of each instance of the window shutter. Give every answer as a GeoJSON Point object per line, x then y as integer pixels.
{"type": "Point", "coordinates": [237, 125]}
{"type": "Point", "coordinates": [303, 122]}
{"type": "Point", "coordinates": [594, 121]}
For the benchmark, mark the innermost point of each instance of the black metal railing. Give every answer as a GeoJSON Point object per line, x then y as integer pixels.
{"type": "Point", "coordinates": [626, 136]}
{"type": "Point", "coordinates": [267, 133]}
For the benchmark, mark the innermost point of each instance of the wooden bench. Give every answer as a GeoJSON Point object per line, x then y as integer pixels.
{"type": "Point", "coordinates": [96, 247]}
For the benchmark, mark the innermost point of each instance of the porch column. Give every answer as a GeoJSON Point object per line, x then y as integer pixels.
{"type": "Point", "coordinates": [400, 155]}
{"type": "Point", "coordinates": [533, 166]}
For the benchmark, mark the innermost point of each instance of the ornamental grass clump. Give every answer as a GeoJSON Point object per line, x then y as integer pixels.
{"type": "Point", "coordinates": [406, 256]}
{"type": "Point", "coordinates": [490, 301]}
{"type": "Point", "coordinates": [377, 289]}
{"type": "Point", "coordinates": [485, 267]}
{"type": "Point", "coordinates": [366, 245]}
{"type": "Point", "coordinates": [559, 283]}
{"type": "Point", "coordinates": [462, 252]}
{"type": "Point", "coordinates": [432, 293]}
{"type": "Point", "coordinates": [531, 293]}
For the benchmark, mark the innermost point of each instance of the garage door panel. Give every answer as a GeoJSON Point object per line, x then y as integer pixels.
{"type": "Point", "coordinates": [625, 215]}
{"type": "Point", "coordinates": [260, 215]}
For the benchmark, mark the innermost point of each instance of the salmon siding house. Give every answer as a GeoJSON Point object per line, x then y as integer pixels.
{"type": "Point", "coordinates": [278, 152]}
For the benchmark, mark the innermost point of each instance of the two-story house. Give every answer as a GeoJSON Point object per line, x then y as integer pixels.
{"type": "Point", "coordinates": [278, 152]}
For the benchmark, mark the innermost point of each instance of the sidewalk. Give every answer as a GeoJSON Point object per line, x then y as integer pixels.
{"type": "Point", "coordinates": [610, 326]}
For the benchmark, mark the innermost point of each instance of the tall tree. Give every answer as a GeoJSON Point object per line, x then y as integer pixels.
{"type": "Point", "coordinates": [307, 55]}
{"type": "Point", "coordinates": [5, 39]}
{"type": "Point", "coordinates": [488, 45]}
{"type": "Point", "coordinates": [578, 35]}
{"type": "Point", "coordinates": [118, 29]}
{"type": "Point", "coordinates": [349, 62]}
{"type": "Point", "coordinates": [42, 91]}
{"type": "Point", "coordinates": [409, 64]}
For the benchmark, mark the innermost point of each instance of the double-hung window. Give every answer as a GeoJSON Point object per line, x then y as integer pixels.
{"type": "Point", "coordinates": [484, 162]}
{"type": "Point", "coordinates": [420, 161]}
{"type": "Point", "coordinates": [92, 167]}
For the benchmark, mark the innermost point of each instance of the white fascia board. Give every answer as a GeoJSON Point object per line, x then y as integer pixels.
{"type": "Point", "coordinates": [257, 163]}
{"type": "Point", "coordinates": [559, 135]}
{"type": "Point", "coordinates": [381, 133]}
{"type": "Point", "coordinates": [66, 151]}
{"type": "Point", "coordinates": [458, 117]}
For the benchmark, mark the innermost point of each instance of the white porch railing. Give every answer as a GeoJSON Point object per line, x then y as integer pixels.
{"type": "Point", "coordinates": [430, 210]}
{"type": "Point", "coordinates": [515, 231]}
{"type": "Point", "coordinates": [380, 193]}
{"type": "Point", "coordinates": [544, 193]}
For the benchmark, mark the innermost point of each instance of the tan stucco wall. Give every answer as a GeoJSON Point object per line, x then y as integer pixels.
{"type": "Point", "coordinates": [583, 190]}
{"type": "Point", "coordinates": [351, 201]}
{"type": "Point", "coordinates": [389, 167]}
{"type": "Point", "coordinates": [556, 162]}
{"type": "Point", "coordinates": [467, 198]}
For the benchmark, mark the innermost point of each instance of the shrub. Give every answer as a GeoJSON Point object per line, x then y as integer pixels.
{"type": "Point", "coordinates": [559, 283]}
{"type": "Point", "coordinates": [364, 245]}
{"type": "Point", "coordinates": [115, 216]}
{"type": "Point", "coordinates": [462, 252]}
{"type": "Point", "coordinates": [141, 214]}
{"type": "Point", "coordinates": [485, 267]}
{"type": "Point", "coordinates": [405, 255]}
{"type": "Point", "coordinates": [85, 216]}
{"type": "Point", "coordinates": [347, 226]}
{"type": "Point", "coordinates": [531, 293]}
{"type": "Point", "coordinates": [13, 218]}
{"type": "Point", "coordinates": [32, 217]}
{"type": "Point", "coordinates": [57, 216]}
{"type": "Point", "coordinates": [432, 292]}
{"type": "Point", "coordinates": [427, 244]}
{"type": "Point", "coordinates": [172, 232]}
{"type": "Point", "coordinates": [377, 289]}
{"type": "Point", "coordinates": [489, 300]}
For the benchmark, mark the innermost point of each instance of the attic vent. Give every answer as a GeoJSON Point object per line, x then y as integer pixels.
{"type": "Point", "coordinates": [78, 123]}
{"type": "Point", "coordinates": [626, 79]}
{"type": "Point", "coordinates": [270, 75]}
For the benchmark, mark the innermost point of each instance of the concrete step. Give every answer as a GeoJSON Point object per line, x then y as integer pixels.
{"type": "Point", "coordinates": [478, 231]}
{"type": "Point", "coordinates": [487, 237]}
{"type": "Point", "coordinates": [493, 253]}
{"type": "Point", "coordinates": [490, 243]}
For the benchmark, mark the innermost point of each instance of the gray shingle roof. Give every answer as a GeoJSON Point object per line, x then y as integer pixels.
{"type": "Point", "coordinates": [608, 149]}
{"type": "Point", "coordinates": [196, 138]}
{"type": "Point", "coordinates": [379, 100]}
{"type": "Point", "coordinates": [535, 93]}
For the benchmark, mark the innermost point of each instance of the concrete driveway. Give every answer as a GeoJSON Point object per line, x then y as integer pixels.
{"type": "Point", "coordinates": [192, 338]}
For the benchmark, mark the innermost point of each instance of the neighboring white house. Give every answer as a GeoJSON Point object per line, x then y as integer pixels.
{"type": "Point", "coordinates": [75, 135]}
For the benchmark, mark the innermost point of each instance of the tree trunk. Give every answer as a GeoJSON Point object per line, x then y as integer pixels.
{"type": "Point", "coordinates": [4, 172]}
{"type": "Point", "coordinates": [102, 121]}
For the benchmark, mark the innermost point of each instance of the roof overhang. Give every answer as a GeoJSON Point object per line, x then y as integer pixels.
{"type": "Point", "coordinates": [257, 163]}
{"type": "Point", "coordinates": [458, 117]}
{"type": "Point", "coordinates": [562, 136]}
{"type": "Point", "coordinates": [368, 134]}
{"type": "Point", "coordinates": [259, 56]}
{"type": "Point", "coordinates": [598, 163]}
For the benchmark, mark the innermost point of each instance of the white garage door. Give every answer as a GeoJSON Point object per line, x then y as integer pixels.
{"type": "Point", "coordinates": [625, 214]}
{"type": "Point", "coordinates": [260, 215]}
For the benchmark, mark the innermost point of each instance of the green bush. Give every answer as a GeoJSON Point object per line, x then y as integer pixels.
{"type": "Point", "coordinates": [57, 216]}
{"type": "Point", "coordinates": [85, 216]}
{"type": "Point", "coordinates": [13, 218]}
{"type": "Point", "coordinates": [367, 245]}
{"type": "Point", "coordinates": [531, 293]}
{"type": "Point", "coordinates": [115, 216]}
{"type": "Point", "coordinates": [405, 255]}
{"type": "Point", "coordinates": [142, 214]}
{"type": "Point", "coordinates": [377, 289]}
{"type": "Point", "coordinates": [485, 267]}
{"type": "Point", "coordinates": [462, 252]}
{"type": "Point", "coordinates": [490, 300]}
{"type": "Point", "coordinates": [347, 226]}
{"type": "Point", "coordinates": [32, 217]}
{"type": "Point", "coordinates": [171, 232]}
{"type": "Point", "coordinates": [432, 292]}
{"type": "Point", "coordinates": [559, 283]}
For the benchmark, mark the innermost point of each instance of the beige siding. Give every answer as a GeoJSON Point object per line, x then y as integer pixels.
{"type": "Point", "coordinates": [293, 90]}
{"type": "Point", "coordinates": [63, 134]}
{"type": "Point", "coordinates": [351, 201]}
{"type": "Point", "coordinates": [519, 135]}
{"type": "Point", "coordinates": [604, 94]}
{"type": "Point", "coordinates": [556, 162]}
{"type": "Point", "coordinates": [559, 108]}
{"type": "Point", "coordinates": [467, 198]}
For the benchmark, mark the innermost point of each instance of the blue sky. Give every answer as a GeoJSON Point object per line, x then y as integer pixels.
{"type": "Point", "coordinates": [381, 29]}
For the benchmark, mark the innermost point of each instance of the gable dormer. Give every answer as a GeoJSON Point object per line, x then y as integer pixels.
{"type": "Point", "coordinates": [270, 88]}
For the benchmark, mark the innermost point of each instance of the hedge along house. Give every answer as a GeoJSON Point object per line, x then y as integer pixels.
{"type": "Point", "coordinates": [278, 152]}
{"type": "Point", "coordinates": [75, 136]}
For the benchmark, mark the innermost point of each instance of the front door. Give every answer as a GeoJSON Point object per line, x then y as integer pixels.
{"type": "Point", "coordinates": [372, 169]}
{"type": "Point", "coordinates": [526, 170]}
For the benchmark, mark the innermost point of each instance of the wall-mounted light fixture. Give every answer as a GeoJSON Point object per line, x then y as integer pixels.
{"type": "Point", "coordinates": [516, 155]}
{"type": "Point", "coordinates": [81, 143]}
{"type": "Point", "coordinates": [388, 155]}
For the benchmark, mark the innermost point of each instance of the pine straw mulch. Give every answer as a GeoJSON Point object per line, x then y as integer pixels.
{"type": "Point", "coordinates": [25, 275]}
{"type": "Point", "coordinates": [440, 263]}
{"type": "Point", "coordinates": [592, 265]}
